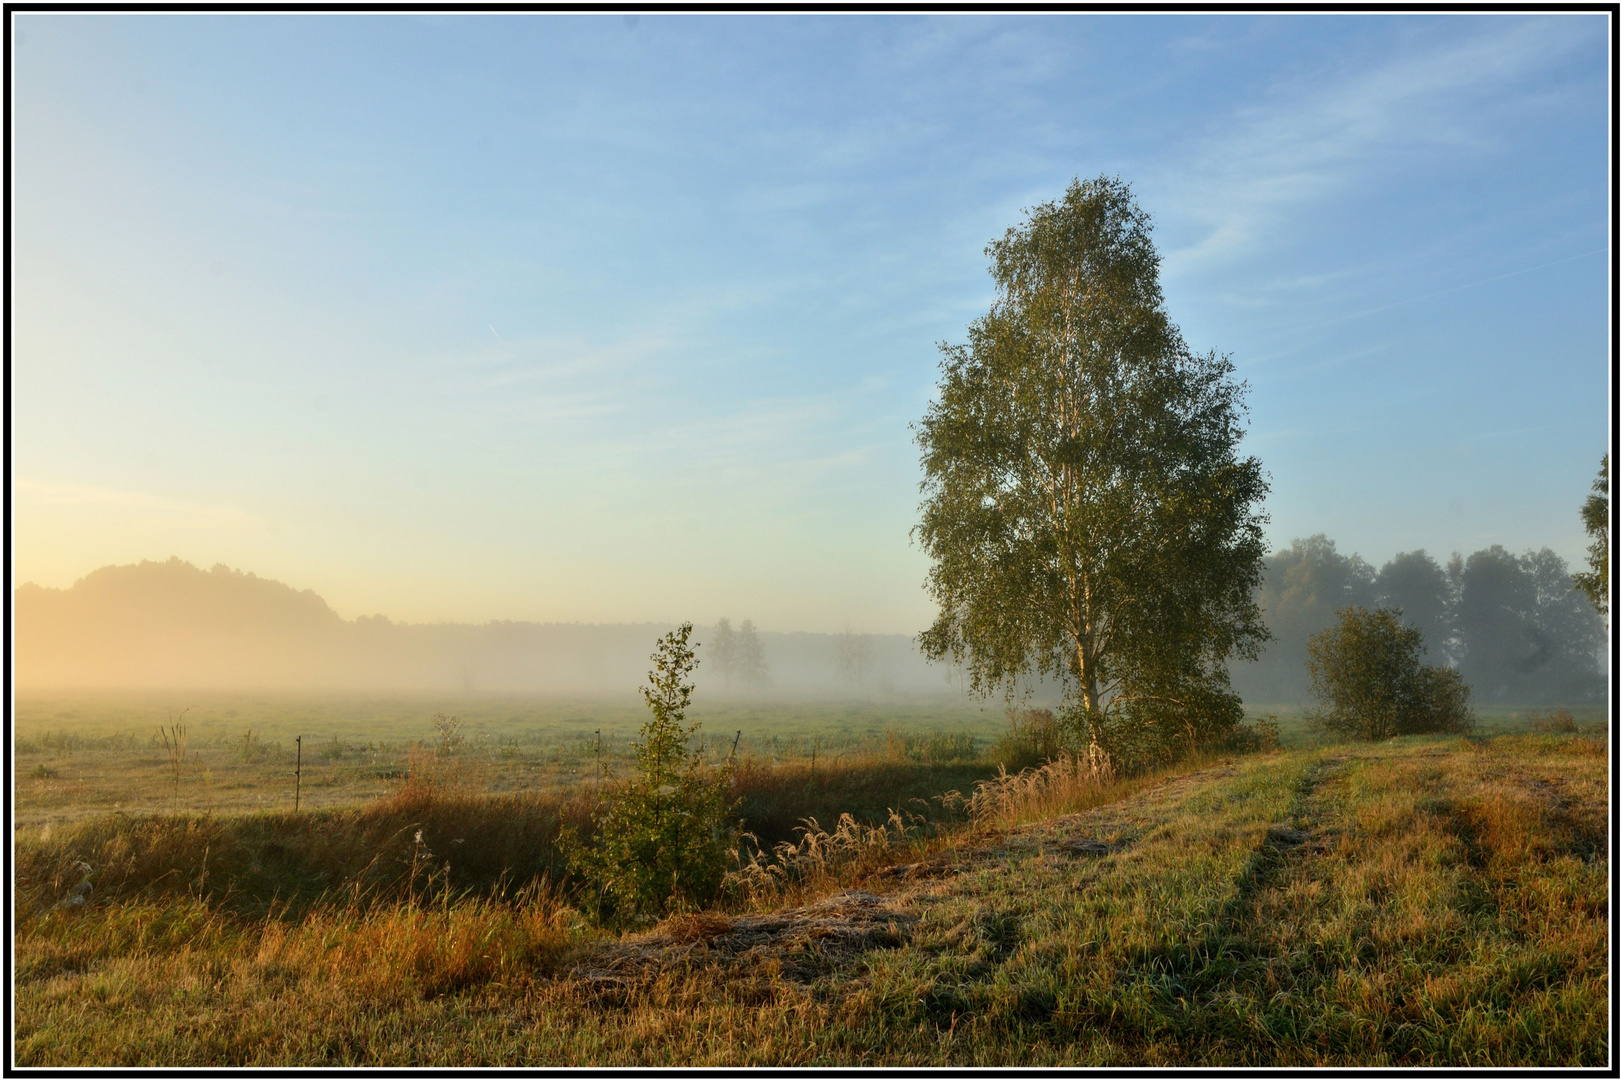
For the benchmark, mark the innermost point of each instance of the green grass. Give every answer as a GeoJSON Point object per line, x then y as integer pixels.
{"type": "Point", "coordinates": [1295, 730]}
{"type": "Point", "coordinates": [85, 756]}
{"type": "Point", "coordinates": [1423, 901]}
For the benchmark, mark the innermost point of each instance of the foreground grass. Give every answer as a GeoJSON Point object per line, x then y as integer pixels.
{"type": "Point", "coordinates": [1419, 902]}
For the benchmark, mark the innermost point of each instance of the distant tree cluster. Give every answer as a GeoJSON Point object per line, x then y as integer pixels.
{"type": "Point", "coordinates": [853, 657]}
{"type": "Point", "coordinates": [1515, 626]}
{"type": "Point", "coordinates": [737, 655]}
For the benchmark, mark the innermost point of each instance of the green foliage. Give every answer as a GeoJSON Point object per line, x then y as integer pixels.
{"type": "Point", "coordinates": [1086, 511]}
{"type": "Point", "coordinates": [1258, 737]}
{"type": "Point", "coordinates": [1515, 626]}
{"type": "Point", "coordinates": [1596, 520]}
{"type": "Point", "coordinates": [663, 841]}
{"type": "Point", "coordinates": [1524, 631]}
{"type": "Point", "coordinates": [1368, 673]}
{"type": "Point", "coordinates": [252, 748]}
{"type": "Point", "coordinates": [1033, 737]}
{"type": "Point", "coordinates": [450, 737]}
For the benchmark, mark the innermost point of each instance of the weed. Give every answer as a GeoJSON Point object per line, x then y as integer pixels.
{"type": "Point", "coordinates": [252, 748]}
{"type": "Point", "coordinates": [449, 729]}
{"type": "Point", "coordinates": [1554, 721]}
{"type": "Point", "coordinates": [174, 744]}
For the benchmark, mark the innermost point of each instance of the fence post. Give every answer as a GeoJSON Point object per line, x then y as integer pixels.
{"type": "Point", "coordinates": [298, 772]}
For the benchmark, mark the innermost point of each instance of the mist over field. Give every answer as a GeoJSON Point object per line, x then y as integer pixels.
{"type": "Point", "coordinates": [1513, 624]}
{"type": "Point", "coordinates": [172, 625]}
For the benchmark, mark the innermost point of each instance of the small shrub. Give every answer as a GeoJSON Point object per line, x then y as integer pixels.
{"type": "Point", "coordinates": [449, 729]}
{"type": "Point", "coordinates": [44, 772]}
{"type": "Point", "coordinates": [1367, 673]}
{"type": "Point", "coordinates": [664, 840]}
{"type": "Point", "coordinates": [1259, 737]}
{"type": "Point", "coordinates": [1558, 721]}
{"type": "Point", "coordinates": [252, 748]}
{"type": "Point", "coordinates": [332, 751]}
{"type": "Point", "coordinates": [1034, 737]}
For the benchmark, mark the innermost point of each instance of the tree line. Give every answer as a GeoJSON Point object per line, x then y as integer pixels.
{"type": "Point", "coordinates": [1517, 628]}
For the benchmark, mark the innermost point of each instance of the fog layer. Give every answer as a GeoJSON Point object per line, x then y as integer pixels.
{"type": "Point", "coordinates": [1514, 626]}
{"type": "Point", "coordinates": [172, 625]}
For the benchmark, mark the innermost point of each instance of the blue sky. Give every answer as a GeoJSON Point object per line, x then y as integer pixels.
{"type": "Point", "coordinates": [601, 318]}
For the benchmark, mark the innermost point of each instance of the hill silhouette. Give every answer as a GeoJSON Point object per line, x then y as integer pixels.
{"type": "Point", "coordinates": [173, 625]}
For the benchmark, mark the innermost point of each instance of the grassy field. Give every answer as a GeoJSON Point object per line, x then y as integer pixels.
{"type": "Point", "coordinates": [83, 756]}
{"type": "Point", "coordinates": [1425, 901]}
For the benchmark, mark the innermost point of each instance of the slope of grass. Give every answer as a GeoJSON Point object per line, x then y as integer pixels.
{"type": "Point", "coordinates": [1418, 902]}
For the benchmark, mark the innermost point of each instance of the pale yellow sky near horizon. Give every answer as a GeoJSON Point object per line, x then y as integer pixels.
{"type": "Point", "coordinates": [64, 532]}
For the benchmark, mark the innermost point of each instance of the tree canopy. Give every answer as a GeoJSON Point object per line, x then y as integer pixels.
{"type": "Point", "coordinates": [1086, 510]}
{"type": "Point", "coordinates": [1596, 520]}
{"type": "Point", "coordinates": [1367, 672]}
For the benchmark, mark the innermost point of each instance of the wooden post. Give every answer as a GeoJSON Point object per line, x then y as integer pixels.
{"type": "Point", "coordinates": [298, 772]}
{"type": "Point", "coordinates": [733, 754]}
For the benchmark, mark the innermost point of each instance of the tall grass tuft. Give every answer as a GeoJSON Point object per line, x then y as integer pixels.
{"type": "Point", "coordinates": [1555, 721]}
{"type": "Point", "coordinates": [252, 863]}
{"type": "Point", "coordinates": [1063, 785]}
{"type": "Point", "coordinates": [820, 860]}
{"type": "Point", "coordinates": [425, 947]}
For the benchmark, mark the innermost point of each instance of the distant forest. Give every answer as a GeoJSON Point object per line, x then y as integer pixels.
{"type": "Point", "coordinates": [1514, 625]}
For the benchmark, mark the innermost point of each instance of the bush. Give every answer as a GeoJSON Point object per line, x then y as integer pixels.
{"type": "Point", "coordinates": [665, 840]}
{"type": "Point", "coordinates": [1559, 721]}
{"type": "Point", "coordinates": [1033, 737]}
{"type": "Point", "coordinates": [1259, 737]}
{"type": "Point", "coordinates": [1368, 674]}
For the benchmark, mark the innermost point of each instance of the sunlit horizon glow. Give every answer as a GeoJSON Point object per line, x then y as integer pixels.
{"type": "Point", "coordinates": [624, 319]}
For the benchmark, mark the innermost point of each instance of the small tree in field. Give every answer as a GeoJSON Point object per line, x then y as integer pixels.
{"type": "Point", "coordinates": [663, 841]}
{"type": "Point", "coordinates": [1368, 674]}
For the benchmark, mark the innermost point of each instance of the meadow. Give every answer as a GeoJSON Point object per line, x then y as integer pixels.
{"type": "Point", "coordinates": [80, 756]}
{"type": "Point", "coordinates": [1424, 901]}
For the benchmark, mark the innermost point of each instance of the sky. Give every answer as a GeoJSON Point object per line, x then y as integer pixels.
{"type": "Point", "coordinates": [612, 318]}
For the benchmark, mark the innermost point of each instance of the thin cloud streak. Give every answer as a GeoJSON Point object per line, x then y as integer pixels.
{"type": "Point", "coordinates": [1314, 145]}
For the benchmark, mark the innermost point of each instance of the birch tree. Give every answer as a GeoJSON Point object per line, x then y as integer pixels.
{"type": "Point", "coordinates": [1086, 509]}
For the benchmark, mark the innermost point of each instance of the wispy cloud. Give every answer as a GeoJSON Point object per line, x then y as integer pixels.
{"type": "Point", "coordinates": [1313, 141]}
